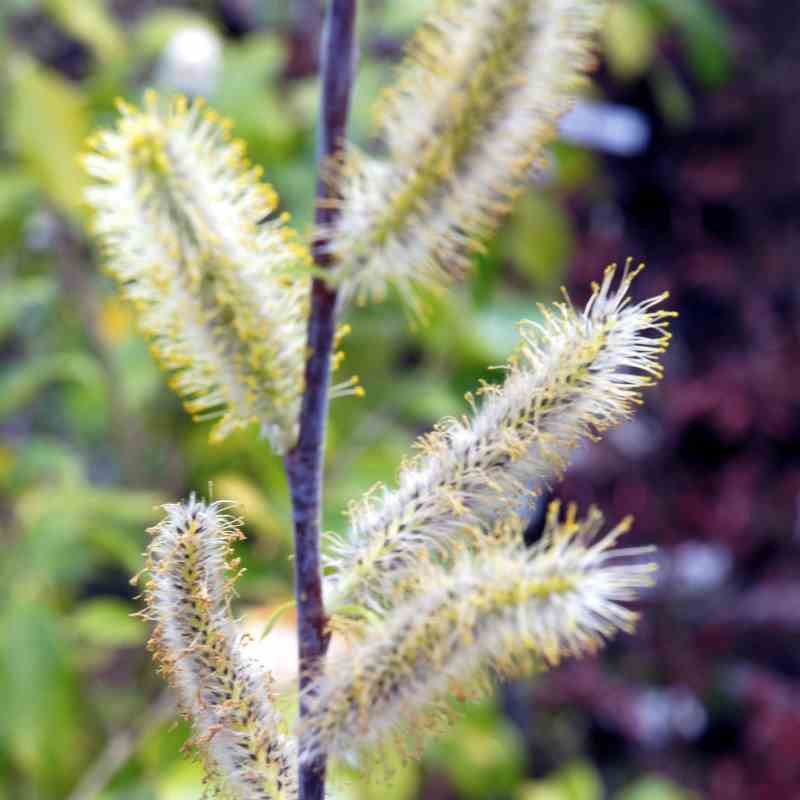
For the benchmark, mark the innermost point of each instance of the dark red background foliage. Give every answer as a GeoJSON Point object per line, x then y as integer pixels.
{"type": "Point", "coordinates": [709, 688]}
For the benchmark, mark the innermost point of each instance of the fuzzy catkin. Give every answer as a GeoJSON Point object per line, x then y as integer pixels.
{"type": "Point", "coordinates": [574, 375]}
{"type": "Point", "coordinates": [477, 98]}
{"type": "Point", "coordinates": [220, 289]}
{"type": "Point", "coordinates": [505, 611]}
{"type": "Point", "coordinates": [224, 692]}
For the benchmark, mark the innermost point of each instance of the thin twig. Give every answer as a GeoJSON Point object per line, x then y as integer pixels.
{"type": "Point", "coordinates": [304, 461]}
{"type": "Point", "coordinates": [121, 746]}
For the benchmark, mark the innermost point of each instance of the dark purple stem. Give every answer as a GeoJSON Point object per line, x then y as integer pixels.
{"type": "Point", "coordinates": [304, 461]}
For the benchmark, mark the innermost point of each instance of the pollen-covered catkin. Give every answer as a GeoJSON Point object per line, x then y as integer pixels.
{"type": "Point", "coordinates": [476, 100]}
{"type": "Point", "coordinates": [219, 288]}
{"type": "Point", "coordinates": [224, 692]}
{"type": "Point", "coordinates": [505, 611]}
{"type": "Point", "coordinates": [574, 375]}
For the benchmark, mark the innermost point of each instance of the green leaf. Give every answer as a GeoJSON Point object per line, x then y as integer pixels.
{"type": "Point", "coordinates": [453, 335]}
{"type": "Point", "coordinates": [42, 461]}
{"type": "Point", "coordinates": [425, 405]}
{"type": "Point", "coordinates": [707, 40]}
{"type": "Point", "coordinates": [17, 196]}
{"type": "Point", "coordinates": [576, 167]}
{"type": "Point", "coordinates": [654, 788]}
{"type": "Point", "coordinates": [497, 326]}
{"type": "Point", "coordinates": [482, 755]}
{"type": "Point", "coordinates": [540, 240]}
{"type": "Point", "coordinates": [181, 781]}
{"type": "Point", "coordinates": [20, 296]}
{"type": "Point", "coordinates": [403, 783]}
{"type": "Point", "coordinates": [122, 507]}
{"type": "Point", "coordinates": [581, 781]}
{"type": "Point", "coordinates": [575, 781]}
{"type": "Point", "coordinates": [107, 622]}
{"type": "Point", "coordinates": [22, 381]}
{"type": "Point", "coordinates": [48, 554]}
{"type": "Point", "coordinates": [541, 790]}
{"type": "Point", "coordinates": [707, 36]}
{"type": "Point", "coordinates": [629, 40]}
{"type": "Point", "coordinates": [247, 93]}
{"type": "Point", "coordinates": [68, 530]}
{"type": "Point", "coordinates": [673, 99]}
{"type": "Point", "coordinates": [275, 616]}
{"type": "Point", "coordinates": [47, 125]}
{"type": "Point", "coordinates": [41, 722]}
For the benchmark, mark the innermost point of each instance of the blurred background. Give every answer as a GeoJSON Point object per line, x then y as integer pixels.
{"type": "Point", "coordinates": [686, 155]}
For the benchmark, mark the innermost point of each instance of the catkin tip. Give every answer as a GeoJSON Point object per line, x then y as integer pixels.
{"type": "Point", "coordinates": [574, 375]}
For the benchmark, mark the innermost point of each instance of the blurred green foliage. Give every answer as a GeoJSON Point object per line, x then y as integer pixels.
{"type": "Point", "coordinates": [92, 441]}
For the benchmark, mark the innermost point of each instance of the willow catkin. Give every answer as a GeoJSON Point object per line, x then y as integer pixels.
{"type": "Point", "coordinates": [220, 289]}
{"type": "Point", "coordinates": [504, 611]}
{"type": "Point", "coordinates": [221, 689]}
{"type": "Point", "coordinates": [476, 100]}
{"type": "Point", "coordinates": [575, 374]}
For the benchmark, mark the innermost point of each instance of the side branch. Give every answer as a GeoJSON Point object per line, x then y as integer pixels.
{"type": "Point", "coordinates": [304, 461]}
